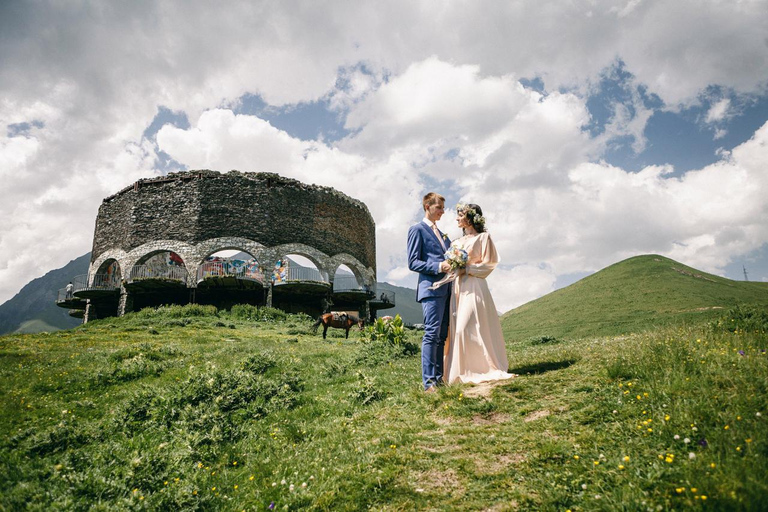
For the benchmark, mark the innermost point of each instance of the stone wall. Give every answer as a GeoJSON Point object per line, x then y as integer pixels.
{"type": "Point", "coordinates": [192, 208]}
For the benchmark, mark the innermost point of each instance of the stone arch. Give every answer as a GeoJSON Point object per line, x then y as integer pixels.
{"type": "Point", "coordinates": [118, 255]}
{"type": "Point", "coordinates": [363, 274]}
{"type": "Point", "coordinates": [213, 245]}
{"type": "Point", "coordinates": [109, 271]}
{"type": "Point", "coordinates": [321, 260]}
{"type": "Point", "coordinates": [184, 250]}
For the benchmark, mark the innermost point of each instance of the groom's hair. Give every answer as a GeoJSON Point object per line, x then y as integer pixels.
{"type": "Point", "coordinates": [432, 198]}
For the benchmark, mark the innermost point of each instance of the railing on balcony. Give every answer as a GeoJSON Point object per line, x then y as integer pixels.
{"type": "Point", "coordinates": [384, 297]}
{"type": "Point", "coordinates": [85, 282]}
{"type": "Point", "coordinates": [302, 274]}
{"type": "Point", "coordinates": [67, 299]}
{"type": "Point", "coordinates": [227, 269]}
{"type": "Point", "coordinates": [167, 273]}
{"type": "Point", "coordinates": [62, 295]}
{"type": "Point", "coordinates": [349, 284]}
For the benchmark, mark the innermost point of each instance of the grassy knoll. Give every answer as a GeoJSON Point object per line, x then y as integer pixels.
{"type": "Point", "coordinates": [632, 295]}
{"type": "Point", "coordinates": [193, 409]}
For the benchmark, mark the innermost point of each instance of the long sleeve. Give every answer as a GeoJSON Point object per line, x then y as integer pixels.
{"type": "Point", "coordinates": [415, 264]}
{"type": "Point", "coordinates": [489, 260]}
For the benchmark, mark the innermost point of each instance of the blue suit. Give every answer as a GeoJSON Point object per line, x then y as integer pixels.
{"type": "Point", "coordinates": [424, 256]}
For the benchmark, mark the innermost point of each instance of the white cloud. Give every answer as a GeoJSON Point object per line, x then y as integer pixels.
{"type": "Point", "coordinates": [719, 111]}
{"type": "Point", "coordinates": [516, 286]}
{"type": "Point", "coordinates": [602, 214]}
{"type": "Point", "coordinates": [445, 82]}
{"type": "Point", "coordinates": [222, 140]}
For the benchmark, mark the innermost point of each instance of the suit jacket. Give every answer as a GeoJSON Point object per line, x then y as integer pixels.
{"type": "Point", "coordinates": [424, 256]}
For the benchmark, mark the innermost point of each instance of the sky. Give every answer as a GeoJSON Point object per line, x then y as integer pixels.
{"type": "Point", "coordinates": [588, 131]}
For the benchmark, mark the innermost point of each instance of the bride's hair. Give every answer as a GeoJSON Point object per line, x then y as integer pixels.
{"type": "Point", "coordinates": [474, 214]}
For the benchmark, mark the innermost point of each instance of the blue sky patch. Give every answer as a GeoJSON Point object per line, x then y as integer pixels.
{"type": "Point", "coordinates": [22, 129]}
{"type": "Point", "coordinates": [306, 121]}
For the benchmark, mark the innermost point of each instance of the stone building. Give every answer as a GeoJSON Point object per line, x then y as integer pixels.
{"type": "Point", "coordinates": [154, 240]}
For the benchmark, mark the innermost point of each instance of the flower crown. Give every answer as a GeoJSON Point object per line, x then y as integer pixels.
{"type": "Point", "coordinates": [477, 220]}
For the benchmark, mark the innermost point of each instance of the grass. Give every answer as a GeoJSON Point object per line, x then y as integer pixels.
{"type": "Point", "coordinates": [644, 292]}
{"type": "Point", "coordinates": [189, 408]}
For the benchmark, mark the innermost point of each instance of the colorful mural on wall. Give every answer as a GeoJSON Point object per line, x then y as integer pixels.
{"type": "Point", "coordinates": [216, 266]}
{"type": "Point", "coordinates": [280, 272]}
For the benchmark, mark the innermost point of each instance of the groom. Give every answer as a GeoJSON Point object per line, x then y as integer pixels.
{"type": "Point", "coordinates": [426, 250]}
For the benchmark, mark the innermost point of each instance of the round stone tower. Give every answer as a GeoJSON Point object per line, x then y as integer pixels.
{"type": "Point", "coordinates": [185, 218]}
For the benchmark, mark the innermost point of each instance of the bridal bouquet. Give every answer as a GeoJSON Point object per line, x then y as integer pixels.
{"type": "Point", "coordinates": [456, 256]}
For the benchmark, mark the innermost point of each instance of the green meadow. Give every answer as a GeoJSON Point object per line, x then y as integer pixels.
{"type": "Point", "coordinates": [189, 408]}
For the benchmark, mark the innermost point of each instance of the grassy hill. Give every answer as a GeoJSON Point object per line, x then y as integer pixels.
{"type": "Point", "coordinates": [189, 408]}
{"type": "Point", "coordinates": [632, 295]}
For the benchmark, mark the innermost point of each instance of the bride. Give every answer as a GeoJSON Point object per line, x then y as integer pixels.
{"type": "Point", "coordinates": [475, 351]}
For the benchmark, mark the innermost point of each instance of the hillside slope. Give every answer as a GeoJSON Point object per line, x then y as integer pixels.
{"type": "Point", "coordinates": [189, 408]}
{"type": "Point", "coordinates": [630, 296]}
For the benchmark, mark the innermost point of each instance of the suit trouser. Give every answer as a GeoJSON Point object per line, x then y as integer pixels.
{"type": "Point", "coordinates": [436, 320]}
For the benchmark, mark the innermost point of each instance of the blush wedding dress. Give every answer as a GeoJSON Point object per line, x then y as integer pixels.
{"type": "Point", "coordinates": [475, 350]}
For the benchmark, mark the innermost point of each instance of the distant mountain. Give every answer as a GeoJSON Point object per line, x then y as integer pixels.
{"type": "Point", "coordinates": [34, 308]}
{"type": "Point", "coordinates": [630, 296]}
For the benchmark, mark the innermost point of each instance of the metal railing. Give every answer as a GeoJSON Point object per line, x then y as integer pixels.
{"type": "Point", "coordinates": [95, 282]}
{"type": "Point", "coordinates": [349, 284]}
{"type": "Point", "coordinates": [385, 297]}
{"type": "Point", "coordinates": [62, 296]}
{"type": "Point", "coordinates": [227, 269]}
{"type": "Point", "coordinates": [303, 274]}
{"type": "Point", "coordinates": [167, 273]}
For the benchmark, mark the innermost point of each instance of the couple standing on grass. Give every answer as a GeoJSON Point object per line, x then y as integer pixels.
{"type": "Point", "coordinates": [462, 333]}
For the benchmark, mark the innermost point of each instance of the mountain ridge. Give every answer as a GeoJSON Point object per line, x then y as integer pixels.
{"type": "Point", "coordinates": [36, 301]}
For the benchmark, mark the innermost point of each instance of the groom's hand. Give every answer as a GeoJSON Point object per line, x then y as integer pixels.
{"type": "Point", "coordinates": [445, 266]}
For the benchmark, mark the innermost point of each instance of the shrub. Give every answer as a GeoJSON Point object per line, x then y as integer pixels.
{"type": "Point", "coordinates": [176, 311]}
{"type": "Point", "coordinates": [391, 332]}
{"type": "Point", "coordinates": [367, 392]}
{"type": "Point", "coordinates": [259, 363]}
{"type": "Point", "coordinates": [257, 314]}
{"type": "Point", "coordinates": [63, 436]}
{"type": "Point", "coordinates": [129, 369]}
{"type": "Point", "coordinates": [544, 340]}
{"type": "Point", "coordinates": [744, 318]}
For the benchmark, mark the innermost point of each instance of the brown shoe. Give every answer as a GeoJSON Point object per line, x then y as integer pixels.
{"type": "Point", "coordinates": [431, 389]}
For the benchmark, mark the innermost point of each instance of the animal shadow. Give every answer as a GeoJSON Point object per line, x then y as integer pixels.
{"type": "Point", "coordinates": [538, 368]}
